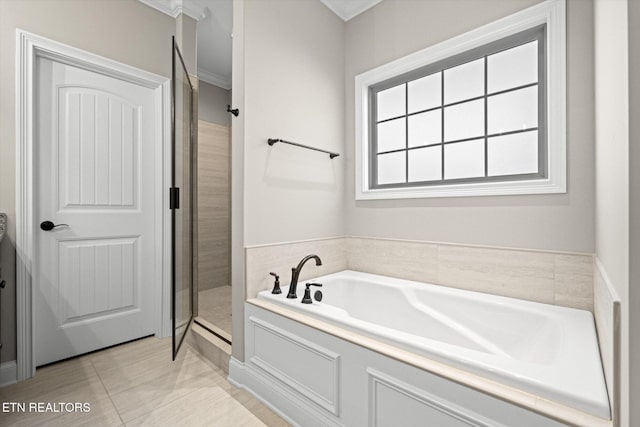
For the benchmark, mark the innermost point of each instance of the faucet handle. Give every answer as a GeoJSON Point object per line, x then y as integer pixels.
{"type": "Point", "coordinates": [276, 284]}
{"type": "Point", "coordinates": [307, 293]}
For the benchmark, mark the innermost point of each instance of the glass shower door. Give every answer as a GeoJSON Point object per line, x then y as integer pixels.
{"type": "Point", "coordinates": [182, 203]}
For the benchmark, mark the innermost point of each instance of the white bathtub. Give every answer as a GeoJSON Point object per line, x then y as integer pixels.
{"type": "Point", "coordinates": [543, 349]}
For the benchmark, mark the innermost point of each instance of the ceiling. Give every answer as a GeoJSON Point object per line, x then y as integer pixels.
{"type": "Point", "coordinates": [215, 18]}
{"type": "Point", "coordinates": [347, 9]}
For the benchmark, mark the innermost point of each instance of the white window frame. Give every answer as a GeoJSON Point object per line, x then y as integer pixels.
{"type": "Point", "coordinates": [553, 14]}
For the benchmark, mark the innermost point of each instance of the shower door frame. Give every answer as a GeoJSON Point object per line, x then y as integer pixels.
{"type": "Point", "coordinates": [28, 48]}
{"type": "Point", "coordinates": [176, 59]}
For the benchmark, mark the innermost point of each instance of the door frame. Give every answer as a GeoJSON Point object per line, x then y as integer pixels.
{"type": "Point", "coordinates": [29, 47]}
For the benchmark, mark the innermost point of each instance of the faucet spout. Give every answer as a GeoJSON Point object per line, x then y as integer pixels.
{"type": "Point", "coordinates": [295, 274]}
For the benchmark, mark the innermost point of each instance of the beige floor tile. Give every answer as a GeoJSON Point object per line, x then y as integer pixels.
{"type": "Point", "coordinates": [101, 410]}
{"type": "Point", "coordinates": [138, 384]}
{"type": "Point", "coordinates": [124, 376]}
{"type": "Point", "coordinates": [131, 352]}
{"type": "Point", "coordinates": [145, 398]}
{"type": "Point", "coordinates": [51, 379]}
{"type": "Point", "coordinates": [262, 412]}
{"type": "Point", "coordinates": [212, 407]}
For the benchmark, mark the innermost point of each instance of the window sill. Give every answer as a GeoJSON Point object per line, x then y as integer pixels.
{"type": "Point", "coordinates": [542, 186]}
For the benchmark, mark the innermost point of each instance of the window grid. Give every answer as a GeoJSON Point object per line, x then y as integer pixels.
{"type": "Point", "coordinates": [451, 104]}
{"type": "Point", "coordinates": [455, 141]}
{"type": "Point", "coordinates": [486, 117]}
{"type": "Point", "coordinates": [442, 124]}
{"type": "Point", "coordinates": [443, 143]}
{"type": "Point", "coordinates": [406, 131]}
{"type": "Point", "coordinates": [485, 97]}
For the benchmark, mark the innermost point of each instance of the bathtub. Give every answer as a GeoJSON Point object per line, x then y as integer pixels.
{"type": "Point", "coordinates": [546, 350]}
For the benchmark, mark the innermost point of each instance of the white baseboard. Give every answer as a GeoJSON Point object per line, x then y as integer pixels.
{"type": "Point", "coordinates": [279, 399]}
{"type": "Point", "coordinates": [8, 373]}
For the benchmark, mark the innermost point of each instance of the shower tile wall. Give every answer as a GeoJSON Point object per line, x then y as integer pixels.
{"type": "Point", "coordinates": [214, 221]}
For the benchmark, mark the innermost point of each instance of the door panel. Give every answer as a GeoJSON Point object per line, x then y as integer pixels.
{"type": "Point", "coordinates": [95, 281]}
{"type": "Point", "coordinates": [103, 170]}
{"type": "Point", "coordinates": [98, 278]}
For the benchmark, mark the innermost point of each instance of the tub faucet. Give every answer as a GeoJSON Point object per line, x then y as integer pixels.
{"type": "Point", "coordinates": [295, 273]}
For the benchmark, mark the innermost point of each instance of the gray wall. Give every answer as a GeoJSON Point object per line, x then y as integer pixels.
{"type": "Point", "coordinates": [294, 90]}
{"type": "Point", "coordinates": [288, 82]}
{"type": "Point", "coordinates": [125, 30]}
{"type": "Point", "coordinates": [212, 104]}
{"type": "Point", "coordinates": [393, 29]}
{"type": "Point", "coordinates": [186, 38]}
{"type": "Point", "coordinates": [634, 208]}
{"type": "Point", "coordinates": [612, 166]}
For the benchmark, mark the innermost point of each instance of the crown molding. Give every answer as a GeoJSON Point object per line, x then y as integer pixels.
{"type": "Point", "coordinates": [349, 9]}
{"type": "Point", "coordinates": [173, 8]}
{"type": "Point", "coordinates": [214, 79]}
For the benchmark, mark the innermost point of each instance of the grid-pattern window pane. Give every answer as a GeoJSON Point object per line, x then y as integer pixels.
{"type": "Point", "coordinates": [392, 135]}
{"type": "Point", "coordinates": [463, 121]}
{"type": "Point", "coordinates": [514, 67]}
{"type": "Point", "coordinates": [425, 128]}
{"type": "Point", "coordinates": [473, 117]}
{"type": "Point", "coordinates": [514, 110]}
{"type": "Point", "coordinates": [391, 103]}
{"type": "Point", "coordinates": [464, 82]}
{"type": "Point", "coordinates": [392, 168]}
{"type": "Point", "coordinates": [513, 154]}
{"type": "Point", "coordinates": [425, 164]}
{"type": "Point", "coordinates": [464, 159]}
{"type": "Point", "coordinates": [425, 93]}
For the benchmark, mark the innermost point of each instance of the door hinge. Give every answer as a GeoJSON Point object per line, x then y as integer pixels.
{"type": "Point", "coordinates": [174, 198]}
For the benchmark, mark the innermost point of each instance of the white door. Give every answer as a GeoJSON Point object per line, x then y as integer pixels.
{"type": "Point", "coordinates": [95, 282]}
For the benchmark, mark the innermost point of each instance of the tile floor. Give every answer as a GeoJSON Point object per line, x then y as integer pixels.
{"type": "Point", "coordinates": [214, 305]}
{"type": "Point", "coordinates": [137, 384]}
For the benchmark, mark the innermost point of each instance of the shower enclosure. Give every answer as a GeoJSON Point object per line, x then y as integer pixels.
{"type": "Point", "coordinates": [182, 203]}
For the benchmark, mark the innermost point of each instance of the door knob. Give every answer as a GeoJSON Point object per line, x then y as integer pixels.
{"type": "Point", "coordinates": [48, 225]}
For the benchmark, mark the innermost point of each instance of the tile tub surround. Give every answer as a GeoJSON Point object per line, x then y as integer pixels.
{"type": "Point", "coordinates": [549, 277]}
{"type": "Point", "coordinates": [281, 258]}
{"type": "Point", "coordinates": [606, 312]}
{"type": "Point", "coordinates": [558, 278]}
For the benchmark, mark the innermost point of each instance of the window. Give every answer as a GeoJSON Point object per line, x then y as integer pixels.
{"type": "Point", "coordinates": [472, 116]}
